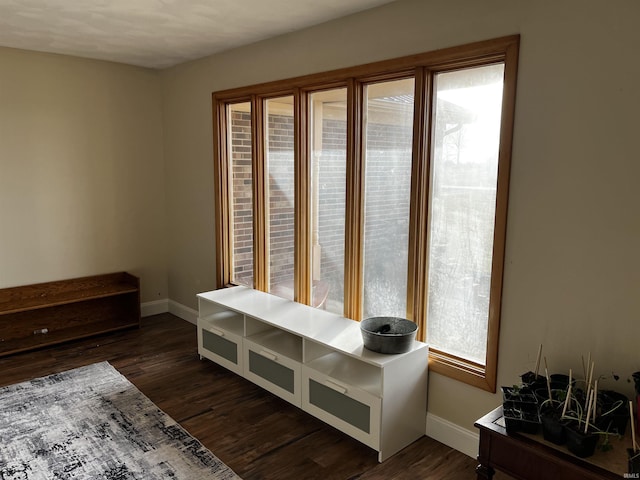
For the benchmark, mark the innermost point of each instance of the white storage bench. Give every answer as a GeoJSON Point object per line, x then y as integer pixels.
{"type": "Point", "coordinates": [316, 360]}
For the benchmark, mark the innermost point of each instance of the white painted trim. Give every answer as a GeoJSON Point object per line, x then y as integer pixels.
{"type": "Point", "coordinates": [453, 435]}
{"type": "Point", "coordinates": [184, 312]}
{"type": "Point", "coordinates": [154, 308]}
{"type": "Point", "coordinates": [163, 306]}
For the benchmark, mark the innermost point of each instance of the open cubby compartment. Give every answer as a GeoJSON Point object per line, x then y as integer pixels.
{"type": "Point", "coordinates": [218, 316]}
{"type": "Point", "coordinates": [223, 321]}
{"type": "Point", "coordinates": [273, 339]}
{"type": "Point", "coordinates": [343, 368]}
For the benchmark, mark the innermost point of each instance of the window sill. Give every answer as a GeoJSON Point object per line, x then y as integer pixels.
{"type": "Point", "coordinates": [462, 370]}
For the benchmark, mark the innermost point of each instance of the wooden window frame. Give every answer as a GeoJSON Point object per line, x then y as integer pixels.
{"type": "Point", "coordinates": [423, 68]}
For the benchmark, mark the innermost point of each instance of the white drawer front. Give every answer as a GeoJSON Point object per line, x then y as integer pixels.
{"type": "Point", "coordinates": [220, 346]}
{"type": "Point", "coordinates": [272, 371]}
{"type": "Point", "coordinates": [354, 411]}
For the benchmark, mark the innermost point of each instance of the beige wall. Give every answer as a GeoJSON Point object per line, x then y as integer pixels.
{"type": "Point", "coordinates": [572, 276]}
{"type": "Point", "coordinates": [81, 171]}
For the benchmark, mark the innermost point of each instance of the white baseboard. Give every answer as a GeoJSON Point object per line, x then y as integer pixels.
{"type": "Point", "coordinates": [184, 312]}
{"type": "Point", "coordinates": [453, 435]}
{"type": "Point", "coordinates": [163, 306]}
{"type": "Point", "coordinates": [154, 308]}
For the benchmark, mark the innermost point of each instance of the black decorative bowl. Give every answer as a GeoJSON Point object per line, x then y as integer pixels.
{"type": "Point", "coordinates": [388, 334]}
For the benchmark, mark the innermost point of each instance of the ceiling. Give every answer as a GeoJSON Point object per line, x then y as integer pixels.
{"type": "Point", "coordinates": [158, 33]}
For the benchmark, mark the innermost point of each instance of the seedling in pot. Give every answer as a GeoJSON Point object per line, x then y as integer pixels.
{"type": "Point", "coordinates": [518, 393]}
{"type": "Point", "coordinates": [533, 379]}
{"type": "Point", "coordinates": [521, 417]}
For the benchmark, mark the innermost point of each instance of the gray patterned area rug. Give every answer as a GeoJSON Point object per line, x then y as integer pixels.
{"type": "Point", "coordinates": [92, 423]}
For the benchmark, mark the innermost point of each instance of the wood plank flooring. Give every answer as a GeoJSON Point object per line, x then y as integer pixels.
{"type": "Point", "coordinates": [254, 432]}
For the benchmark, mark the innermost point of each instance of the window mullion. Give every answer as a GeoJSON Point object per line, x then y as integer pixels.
{"type": "Point", "coordinates": [353, 255]}
{"type": "Point", "coordinates": [260, 200]}
{"type": "Point", "coordinates": [222, 208]}
{"type": "Point", "coordinates": [417, 284]}
{"type": "Point", "coordinates": [302, 204]}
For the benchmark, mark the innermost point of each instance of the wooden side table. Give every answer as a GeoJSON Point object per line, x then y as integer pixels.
{"type": "Point", "coordinates": [530, 457]}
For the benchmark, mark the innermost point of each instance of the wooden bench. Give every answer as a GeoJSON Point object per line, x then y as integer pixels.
{"type": "Point", "coordinates": [34, 316]}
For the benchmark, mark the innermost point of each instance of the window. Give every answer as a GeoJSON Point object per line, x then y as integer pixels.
{"type": "Point", "coordinates": [241, 185]}
{"type": "Point", "coordinates": [377, 190]}
{"type": "Point", "coordinates": [464, 172]}
{"type": "Point", "coordinates": [328, 159]}
{"type": "Point", "coordinates": [388, 133]}
{"type": "Point", "coordinates": [279, 171]}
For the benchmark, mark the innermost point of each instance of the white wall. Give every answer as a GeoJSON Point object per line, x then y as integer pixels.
{"type": "Point", "coordinates": [572, 272]}
{"type": "Point", "coordinates": [81, 171]}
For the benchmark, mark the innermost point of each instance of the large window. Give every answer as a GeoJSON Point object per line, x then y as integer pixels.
{"type": "Point", "coordinates": [387, 135]}
{"type": "Point", "coordinates": [328, 160]}
{"type": "Point", "coordinates": [377, 190]}
{"type": "Point", "coordinates": [279, 172]}
{"type": "Point", "coordinates": [464, 173]}
{"type": "Point", "coordinates": [241, 192]}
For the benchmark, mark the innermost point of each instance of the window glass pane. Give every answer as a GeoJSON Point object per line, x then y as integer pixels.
{"type": "Point", "coordinates": [241, 179]}
{"type": "Point", "coordinates": [388, 138]}
{"type": "Point", "coordinates": [279, 165]}
{"type": "Point", "coordinates": [328, 135]}
{"type": "Point", "coordinates": [463, 196]}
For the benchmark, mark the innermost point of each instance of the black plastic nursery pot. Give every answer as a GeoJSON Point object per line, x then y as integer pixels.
{"type": "Point", "coordinates": [580, 444]}
{"type": "Point", "coordinates": [636, 381]}
{"type": "Point", "coordinates": [616, 424]}
{"type": "Point", "coordinates": [559, 381]}
{"type": "Point", "coordinates": [521, 417]}
{"type": "Point", "coordinates": [634, 461]}
{"type": "Point", "coordinates": [553, 427]}
{"type": "Point", "coordinates": [533, 381]}
{"type": "Point", "coordinates": [614, 412]}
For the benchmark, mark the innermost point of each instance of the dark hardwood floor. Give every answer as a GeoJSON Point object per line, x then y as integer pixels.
{"type": "Point", "coordinates": [257, 434]}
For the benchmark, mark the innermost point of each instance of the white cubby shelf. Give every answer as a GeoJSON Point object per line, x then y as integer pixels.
{"type": "Point", "coordinates": [316, 361]}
